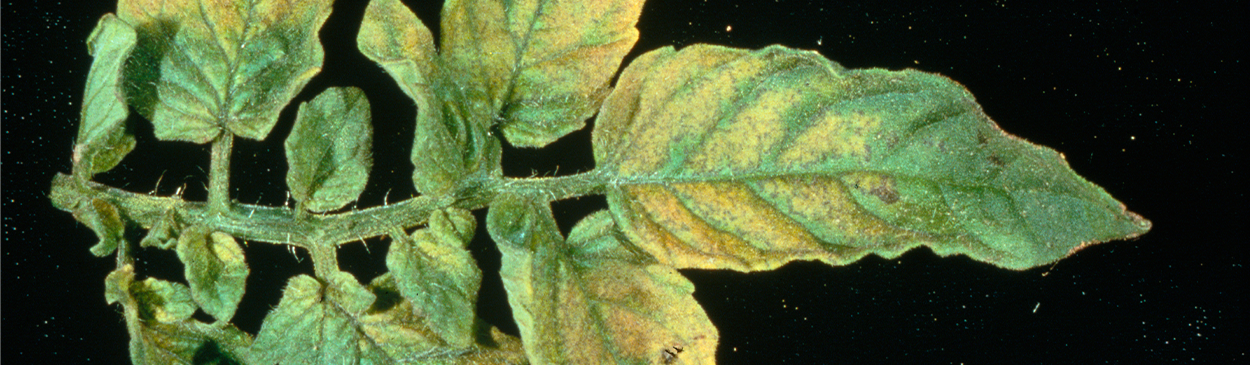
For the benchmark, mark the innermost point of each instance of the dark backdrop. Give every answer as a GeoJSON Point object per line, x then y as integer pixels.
{"type": "Point", "coordinates": [1142, 98]}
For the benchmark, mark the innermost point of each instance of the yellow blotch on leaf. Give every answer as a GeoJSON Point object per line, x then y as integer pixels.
{"type": "Point", "coordinates": [834, 134]}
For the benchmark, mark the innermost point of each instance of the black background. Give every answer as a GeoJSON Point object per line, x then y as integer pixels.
{"type": "Point", "coordinates": [1143, 98]}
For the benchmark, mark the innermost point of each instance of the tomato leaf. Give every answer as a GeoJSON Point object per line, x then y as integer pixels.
{"type": "Point", "coordinates": [452, 143]}
{"type": "Point", "coordinates": [728, 158]}
{"type": "Point", "coordinates": [102, 217]}
{"type": "Point", "coordinates": [161, 332]}
{"type": "Point", "coordinates": [540, 67]}
{"type": "Point", "coordinates": [102, 138]}
{"type": "Point", "coordinates": [593, 299]}
{"type": "Point", "coordinates": [435, 271]}
{"type": "Point", "coordinates": [215, 268]}
{"type": "Point", "coordinates": [329, 150]}
{"type": "Point", "coordinates": [208, 66]}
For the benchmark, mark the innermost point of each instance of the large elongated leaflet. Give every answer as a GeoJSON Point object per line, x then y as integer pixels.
{"type": "Point", "coordinates": [204, 67]}
{"type": "Point", "coordinates": [592, 299]}
{"type": "Point", "coordinates": [728, 158]}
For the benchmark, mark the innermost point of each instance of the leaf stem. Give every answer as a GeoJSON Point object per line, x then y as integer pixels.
{"type": "Point", "coordinates": [219, 173]}
{"type": "Point", "coordinates": [281, 225]}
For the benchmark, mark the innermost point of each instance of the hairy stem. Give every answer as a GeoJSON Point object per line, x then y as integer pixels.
{"type": "Point", "coordinates": [219, 173]}
{"type": "Point", "coordinates": [283, 225]}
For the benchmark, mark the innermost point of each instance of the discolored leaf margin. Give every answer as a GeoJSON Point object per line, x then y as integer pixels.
{"type": "Point", "coordinates": [328, 149]}
{"type": "Point", "coordinates": [102, 139]}
{"type": "Point", "coordinates": [161, 331]}
{"type": "Point", "coordinates": [593, 299]}
{"type": "Point", "coordinates": [452, 147]}
{"type": "Point", "coordinates": [435, 272]}
{"type": "Point", "coordinates": [204, 67]}
{"type": "Point", "coordinates": [746, 160]}
{"type": "Point", "coordinates": [539, 68]}
{"type": "Point", "coordinates": [214, 266]}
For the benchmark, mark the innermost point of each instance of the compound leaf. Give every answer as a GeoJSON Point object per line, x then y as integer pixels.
{"type": "Point", "coordinates": [728, 158]}
{"type": "Point", "coordinates": [434, 271]}
{"type": "Point", "coordinates": [593, 299]}
{"type": "Point", "coordinates": [208, 66]}
{"type": "Point", "coordinates": [161, 331]}
{"type": "Point", "coordinates": [541, 67]}
{"type": "Point", "coordinates": [450, 145]}
{"type": "Point", "coordinates": [102, 138]}
{"type": "Point", "coordinates": [329, 149]}
{"type": "Point", "coordinates": [215, 268]}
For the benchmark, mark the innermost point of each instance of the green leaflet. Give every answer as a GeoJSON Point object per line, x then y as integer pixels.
{"type": "Point", "coordinates": [433, 270]}
{"type": "Point", "coordinates": [592, 299]}
{"type": "Point", "coordinates": [402, 331]}
{"type": "Point", "coordinates": [329, 150]}
{"type": "Point", "coordinates": [344, 322]}
{"type": "Point", "coordinates": [208, 66]}
{"type": "Point", "coordinates": [540, 66]}
{"type": "Point", "coordinates": [452, 142]}
{"type": "Point", "coordinates": [215, 268]}
{"type": "Point", "coordinates": [102, 138]}
{"type": "Point", "coordinates": [310, 326]}
{"type": "Point", "coordinates": [161, 332]}
{"type": "Point", "coordinates": [105, 221]}
{"type": "Point", "coordinates": [728, 158]}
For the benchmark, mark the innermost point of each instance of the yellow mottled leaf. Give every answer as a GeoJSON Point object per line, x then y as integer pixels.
{"type": "Point", "coordinates": [747, 160]}
{"type": "Point", "coordinates": [201, 68]}
{"type": "Point", "coordinates": [593, 299]}
{"type": "Point", "coordinates": [541, 67]}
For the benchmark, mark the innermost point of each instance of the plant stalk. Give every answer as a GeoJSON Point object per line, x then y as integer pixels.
{"type": "Point", "coordinates": [219, 174]}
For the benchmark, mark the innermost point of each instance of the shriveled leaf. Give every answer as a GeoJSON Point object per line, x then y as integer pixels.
{"type": "Point", "coordinates": [449, 145]}
{"type": "Point", "coordinates": [541, 67]}
{"type": "Point", "coordinates": [208, 66]}
{"type": "Point", "coordinates": [102, 138]}
{"type": "Point", "coordinates": [727, 158]}
{"type": "Point", "coordinates": [215, 268]}
{"type": "Point", "coordinates": [593, 300]}
{"type": "Point", "coordinates": [435, 271]}
{"type": "Point", "coordinates": [102, 217]}
{"type": "Point", "coordinates": [402, 331]}
{"type": "Point", "coordinates": [310, 327]}
{"type": "Point", "coordinates": [162, 300]}
{"type": "Point", "coordinates": [163, 234]}
{"type": "Point", "coordinates": [329, 149]}
{"type": "Point", "coordinates": [161, 332]}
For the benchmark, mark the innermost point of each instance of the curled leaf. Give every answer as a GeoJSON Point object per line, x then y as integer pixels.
{"type": "Point", "coordinates": [540, 66]}
{"type": "Point", "coordinates": [593, 300]}
{"type": "Point", "coordinates": [158, 315]}
{"type": "Point", "coordinates": [215, 268]}
{"type": "Point", "coordinates": [434, 271]}
{"type": "Point", "coordinates": [452, 146]}
{"type": "Point", "coordinates": [204, 67]}
{"type": "Point", "coordinates": [728, 158]}
{"type": "Point", "coordinates": [329, 149]}
{"type": "Point", "coordinates": [103, 218]}
{"type": "Point", "coordinates": [102, 138]}
{"type": "Point", "coordinates": [163, 234]}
